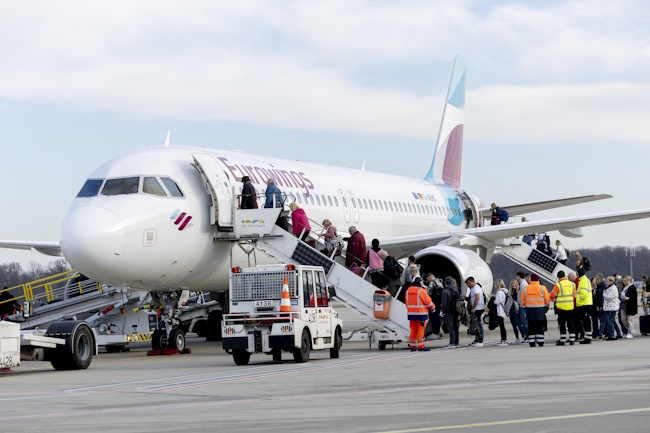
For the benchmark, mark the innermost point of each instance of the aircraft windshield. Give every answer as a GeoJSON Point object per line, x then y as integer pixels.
{"type": "Point", "coordinates": [173, 189]}
{"type": "Point", "coordinates": [150, 185]}
{"type": "Point", "coordinates": [127, 185]}
{"type": "Point", "coordinates": [90, 188]}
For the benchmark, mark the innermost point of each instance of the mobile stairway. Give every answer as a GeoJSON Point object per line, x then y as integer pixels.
{"type": "Point", "coordinates": [257, 228]}
{"type": "Point", "coordinates": [108, 310]}
{"type": "Point", "coordinates": [534, 260]}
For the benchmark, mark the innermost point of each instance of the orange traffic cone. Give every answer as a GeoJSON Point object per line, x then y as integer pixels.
{"type": "Point", "coordinates": [285, 303]}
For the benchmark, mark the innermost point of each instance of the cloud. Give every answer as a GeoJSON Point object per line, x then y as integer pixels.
{"type": "Point", "coordinates": [308, 65]}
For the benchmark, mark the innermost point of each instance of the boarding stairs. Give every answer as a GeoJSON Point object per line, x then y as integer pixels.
{"type": "Point", "coordinates": [353, 290]}
{"type": "Point", "coordinates": [68, 296]}
{"type": "Point", "coordinates": [534, 260]}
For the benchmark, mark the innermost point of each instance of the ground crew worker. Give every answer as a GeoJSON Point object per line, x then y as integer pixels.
{"type": "Point", "coordinates": [418, 303]}
{"type": "Point", "coordinates": [584, 301]}
{"type": "Point", "coordinates": [535, 299]}
{"type": "Point", "coordinates": [564, 295]}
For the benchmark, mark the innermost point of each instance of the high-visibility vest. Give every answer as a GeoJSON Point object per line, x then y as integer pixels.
{"type": "Point", "coordinates": [418, 303]}
{"type": "Point", "coordinates": [535, 296]}
{"type": "Point", "coordinates": [564, 300]}
{"type": "Point", "coordinates": [584, 295]}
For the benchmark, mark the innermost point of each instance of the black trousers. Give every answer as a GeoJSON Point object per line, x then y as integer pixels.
{"type": "Point", "coordinates": [502, 328]}
{"type": "Point", "coordinates": [565, 320]}
{"type": "Point", "coordinates": [453, 325]}
{"type": "Point", "coordinates": [535, 332]}
{"type": "Point", "coordinates": [584, 313]}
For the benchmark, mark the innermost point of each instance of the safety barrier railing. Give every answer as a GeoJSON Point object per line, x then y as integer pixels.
{"type": "Point", "coordinates": [260, 200]}
{"type": "Point", "coordinates": [53, 288]}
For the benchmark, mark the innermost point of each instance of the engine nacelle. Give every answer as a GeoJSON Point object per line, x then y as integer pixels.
{"type": "Point", "coordinates": [459, 263]}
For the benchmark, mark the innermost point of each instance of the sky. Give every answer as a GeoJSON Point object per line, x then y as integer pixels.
{"type": "Point", "coordinates": [557, 105]}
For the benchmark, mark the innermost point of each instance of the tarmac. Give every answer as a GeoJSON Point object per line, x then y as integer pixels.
{"type": "Point", "coordinates": [600, 387]}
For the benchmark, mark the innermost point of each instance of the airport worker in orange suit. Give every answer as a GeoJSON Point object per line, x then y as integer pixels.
{"type": "Point", "coordinates": [418, 303]}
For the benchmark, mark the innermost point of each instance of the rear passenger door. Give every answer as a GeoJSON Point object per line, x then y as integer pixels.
{"type": "Point", "coordinates": [309, 299]}
{"type": "Point", "coordinates": [323, 310]}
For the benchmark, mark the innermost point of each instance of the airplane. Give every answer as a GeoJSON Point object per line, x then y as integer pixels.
{"type": "Point", "coordinates": [148, 218]}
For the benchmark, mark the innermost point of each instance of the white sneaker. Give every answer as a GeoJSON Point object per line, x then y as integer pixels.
{"type": "Point", "coordinates": [476, 344]}
{"type": "Point", "coordinates": [629, 336]}
{"type": "Point", "coordinates": [503, 343]}
{"type": "Point", "coordinates": [450, 346]}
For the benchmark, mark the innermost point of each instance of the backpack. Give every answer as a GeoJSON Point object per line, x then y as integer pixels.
{"type": "Point", "coordinates": [508, 304]}
{"type": "Point", "coordinates": [460, 307]}
{"type": "Point", "coordinates": [504, 215]}
{"type": "Point", "coordinates": [392, 269]}
{"type": "Point", "coordinates": [586, 263]}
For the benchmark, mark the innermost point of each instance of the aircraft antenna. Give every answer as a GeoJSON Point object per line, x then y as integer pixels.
{"type": "Point", "coordinates": [363, 166]}
{"type": "Point", "coordinates": [167, 139]}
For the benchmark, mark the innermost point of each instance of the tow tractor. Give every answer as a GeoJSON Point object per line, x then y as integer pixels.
{"type": "Point", "coordinates": [264, 319]}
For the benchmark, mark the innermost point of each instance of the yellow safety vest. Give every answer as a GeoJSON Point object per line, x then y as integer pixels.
{"type": "Point", "coordinates": [564, 300]}
{"type": "Point", "coordinates": [584, 296]}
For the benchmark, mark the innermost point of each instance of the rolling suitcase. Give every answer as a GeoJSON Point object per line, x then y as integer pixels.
{"type": "Point", "coordinates": [644, 325]}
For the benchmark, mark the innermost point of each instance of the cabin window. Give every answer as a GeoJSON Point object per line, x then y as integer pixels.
{"type": "Point", "coordinates": [400, 207]}
{"type": "Point", "coordinates": [365, 203]}
{"type": "Point", "coordinates": [311, 199]}
{"type": "Point", "coordinates": [344, 201]}
{"type": "Point", "coordinates": [173, 189]}
{"type": "Point", "coordinates": [380, 205]}
{"type": "Point", "coordinates": [370, 203]}
{"type": "Point", "coordinates": [329, 200]}
{"type": "Point", "coordinates": [90, 188]}
{"type": "Point", "coordinates": [126, 185]}
{"type": "Point", "coordinates": [390, 204]}
{"type": "Point", "coordinates": [336, 202]}
{"type": "Point", "coordinates": [324, 201]}
{"type": "Point", "coordinates": [318, 200]}
{"type": "Point", "coordinates": [150, 185]}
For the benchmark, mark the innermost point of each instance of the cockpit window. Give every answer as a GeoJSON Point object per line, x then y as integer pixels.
{"type": "Point", "coordinates": [90, 188]}
{"type": "Point", "coordinates": [172, 187]}
{"type": "Point", "coordinates": [127, 185]}
{"type": "Point", "coordinates": [150, 185]}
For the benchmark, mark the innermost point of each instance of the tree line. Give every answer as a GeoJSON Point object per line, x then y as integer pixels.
{"type": "Point", "coordinates": [13, 273]}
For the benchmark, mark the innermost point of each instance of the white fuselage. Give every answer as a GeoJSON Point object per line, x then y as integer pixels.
{"type": "Point", "coordinates": [161, 242]}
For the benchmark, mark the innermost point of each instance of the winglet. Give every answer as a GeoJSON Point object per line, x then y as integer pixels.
{"type": "Point", "coordinates": [167, 140]}
{"type": "Point", "coordinates": [448, 156]}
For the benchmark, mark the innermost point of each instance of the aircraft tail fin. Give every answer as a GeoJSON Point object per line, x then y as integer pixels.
{"type": "Point", "coordinates": [448, 155]}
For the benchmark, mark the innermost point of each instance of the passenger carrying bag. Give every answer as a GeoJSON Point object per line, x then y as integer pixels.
{"type": "Point", "coordinates": [472, 328]}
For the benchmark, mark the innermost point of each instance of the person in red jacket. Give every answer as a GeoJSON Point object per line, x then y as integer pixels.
{"type": "Point", "coordinates": [418, 304]}
{"type": "Point", "coordinates": [356, 252]}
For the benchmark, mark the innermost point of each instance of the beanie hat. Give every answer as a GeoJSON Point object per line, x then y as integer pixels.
{"type": "Point", "coordinates": [534, 277]}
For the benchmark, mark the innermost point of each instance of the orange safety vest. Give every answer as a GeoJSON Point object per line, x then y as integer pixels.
{"type": "Point", "coordinates": [418, 302]}
{"type": "Point", "coordinates": [535, 296]}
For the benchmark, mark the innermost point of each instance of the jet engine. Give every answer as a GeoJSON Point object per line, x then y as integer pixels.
{"type": "Point", "coordinates": [459, 263]}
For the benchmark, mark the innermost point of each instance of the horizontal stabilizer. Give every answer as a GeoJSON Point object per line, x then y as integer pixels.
{"type": "Point", "coordinates": [520, 209]}
{"type": "Point", "coordinates": [47, 248]}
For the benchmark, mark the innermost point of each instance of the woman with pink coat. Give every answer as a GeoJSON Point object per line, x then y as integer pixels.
{"type": "Point", "coordinates": [299, 221]}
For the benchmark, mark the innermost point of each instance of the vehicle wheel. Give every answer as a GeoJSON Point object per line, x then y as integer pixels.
{"type": "Point", "coordinates": [214, 326]}
{"type": "Point", "coordinates": [486, 319]}
{"type": "Point", "coordinates": [338, 341]}
{"type": "Point", "coordinates": [176, 339]}
{"type": "Point", "coordinates": [77, 353]}
{"type": "Point", "coordinates": [302, 354]}
{"type": "Point", "coordinates": [159, 340]}
{"type": "Point", "coordinates": [382, 345]}
{"type": "Point", "coordinates": [241, 356]}
{"type": "Point", "coordinates": [277, 354]}
{"type": "Point", "coordinates": [114, 348]}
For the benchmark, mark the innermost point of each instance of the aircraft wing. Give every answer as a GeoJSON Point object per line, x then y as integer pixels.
{"type": "Point", "coordinates": [47, 248]}
{"type": "Point", "coordinates": [519, 209]}
{"type": "Point", "coordinates": [400, 246]}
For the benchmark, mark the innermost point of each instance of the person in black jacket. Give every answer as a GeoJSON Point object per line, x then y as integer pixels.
{"type": "Point", "coordinates": [248, 195]}
{"type": "Point", "coordinates": [597, 307]}
{"type": "Point", "coordinates": [450, 295]}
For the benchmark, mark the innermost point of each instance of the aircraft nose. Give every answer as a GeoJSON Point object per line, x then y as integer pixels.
{"type": "Point", "coordinates": [92, 240]}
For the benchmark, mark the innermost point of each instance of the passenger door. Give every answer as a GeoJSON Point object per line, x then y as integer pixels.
{"type": "Point", "coordinates": [309, 300]}
{"type": "Point", "coordinates": [216, 184]}
{"type": "Point", "coordinates": [344, 204]}
{"type": "Point", "coordinates": [322, 305]}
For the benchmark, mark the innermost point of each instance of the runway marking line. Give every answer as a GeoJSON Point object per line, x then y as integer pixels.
{"type": "Point", "coordinates": [522, 421]}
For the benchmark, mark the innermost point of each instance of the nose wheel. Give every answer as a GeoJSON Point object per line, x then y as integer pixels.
{"type": "Point", "coordinates": [175, 340]}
